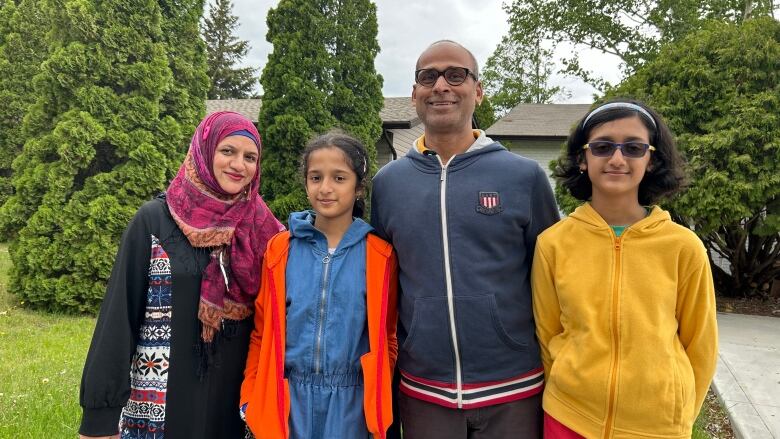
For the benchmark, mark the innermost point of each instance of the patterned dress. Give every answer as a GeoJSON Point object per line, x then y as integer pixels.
{"type": "Point", "coordinates": [141, 376]}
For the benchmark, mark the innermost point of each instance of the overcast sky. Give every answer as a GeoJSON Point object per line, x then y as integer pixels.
{"type": "Point", "coordinates": [408, 27]}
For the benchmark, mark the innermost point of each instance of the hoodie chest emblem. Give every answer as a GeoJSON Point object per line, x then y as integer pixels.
{"type": "Point", "coordinates": [489, 203]}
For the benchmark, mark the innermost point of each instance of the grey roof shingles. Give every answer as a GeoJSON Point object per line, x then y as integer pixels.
{"type": "Point", "coordinates": [397, 110]}
{"type": "Point", "coordinates": [538, 120]}
{"type": "Point", "coordinates": [249, 108]}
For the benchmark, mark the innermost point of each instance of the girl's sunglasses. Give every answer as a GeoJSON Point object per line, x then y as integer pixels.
{"type": "Point", "coordinates": [603, 148]}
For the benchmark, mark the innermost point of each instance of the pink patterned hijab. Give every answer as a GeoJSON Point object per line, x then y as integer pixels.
{"type": "Point", "coordinates": [236, 227]}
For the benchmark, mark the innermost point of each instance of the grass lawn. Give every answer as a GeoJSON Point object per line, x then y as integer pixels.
{"type": "Point", "coordinates": [41, 357]}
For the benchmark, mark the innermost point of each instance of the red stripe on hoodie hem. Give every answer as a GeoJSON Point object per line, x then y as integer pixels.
{"type": "Point", "coordinates": [465, 404]}
{"type": "Point", "coordinates": [472, 386]}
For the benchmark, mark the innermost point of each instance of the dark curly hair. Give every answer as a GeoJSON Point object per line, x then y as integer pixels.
{"type": "Point", "coordinates": [357, 158]}
{"type": "Point", "coordinates": [664, 178]}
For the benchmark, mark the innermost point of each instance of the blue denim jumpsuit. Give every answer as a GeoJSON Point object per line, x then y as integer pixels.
{"type": "Point", "coordinates": [326, 331]}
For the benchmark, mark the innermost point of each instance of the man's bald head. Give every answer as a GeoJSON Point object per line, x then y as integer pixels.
{"type": "Point", "coordinates": [474, 67]}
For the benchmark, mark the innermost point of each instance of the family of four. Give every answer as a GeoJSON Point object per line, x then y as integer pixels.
{"type": "Point", "coordinates": [464, 309]}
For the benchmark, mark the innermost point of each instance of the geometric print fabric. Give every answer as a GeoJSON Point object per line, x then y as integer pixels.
{"type": "Point", "coordinates": [144, 415]}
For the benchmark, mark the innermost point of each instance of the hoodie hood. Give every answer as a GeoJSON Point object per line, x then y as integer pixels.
{"type": "Point", "coordinates": [428, 161]}
{"type": "Point", "coordinates": [649, 224]}
{"type": "Point", "coordinates": [302, 226]}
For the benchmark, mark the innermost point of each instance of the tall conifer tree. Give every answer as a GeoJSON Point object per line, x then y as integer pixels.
{"type": "Point", "coordinates": [185, 99]}
{"type": "Point", "coordinates": [22, 49]}
{"type": "Point", "coordinates": [356, 98]}
{"type": "Point", "coordinates": [296, 83]}
{"type": "Point", "coordinates": [100, 145]}
{"type": "Point", "coordinates": [315, 81]}
{"type": "Point", "coordinates": [225, 50]}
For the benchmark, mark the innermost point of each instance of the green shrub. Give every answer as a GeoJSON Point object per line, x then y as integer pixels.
{"type": "Point", "coordinates": [107, 130]}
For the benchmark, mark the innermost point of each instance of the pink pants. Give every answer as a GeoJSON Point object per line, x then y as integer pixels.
{"type": "Point", "coordinates": [555, 430]}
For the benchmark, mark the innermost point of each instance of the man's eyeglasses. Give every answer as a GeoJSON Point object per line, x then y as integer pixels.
{"type": "Point", "coordinates": [603, 148]}
{"type": "Point", "coordinates": [453, 75]}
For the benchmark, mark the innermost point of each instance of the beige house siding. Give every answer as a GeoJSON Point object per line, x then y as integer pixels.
{"type": "Point", "coordinates": [537, 131]}
{"type": "Point", "coordinates": [542, 151]}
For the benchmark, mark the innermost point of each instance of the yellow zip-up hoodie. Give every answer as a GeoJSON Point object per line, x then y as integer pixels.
{"type": "Point", "coordinates": [626, 325]}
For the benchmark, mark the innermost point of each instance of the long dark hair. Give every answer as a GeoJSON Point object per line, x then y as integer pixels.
{"type": "Point", "coordinates": [357, 158]}
{"type": "Point", "coordinates": [664, 178]}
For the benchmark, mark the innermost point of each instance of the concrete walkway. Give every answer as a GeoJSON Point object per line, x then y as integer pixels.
{"type": "Point", "coordinates": [748, 376]}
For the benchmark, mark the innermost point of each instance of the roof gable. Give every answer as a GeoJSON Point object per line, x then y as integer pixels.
{"type": "Point", "coordinates": [538, 120]}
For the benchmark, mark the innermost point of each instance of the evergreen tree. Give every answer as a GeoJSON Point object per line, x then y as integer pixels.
{"type": "Point", "coordinates": [315, 81]}
{"type": "Point", "coordinates": [22, 49]}
{"type": "Point", "coordinates": [184, 101]}
{"type": "Point", "coordinates": [295, 81]}
{"type": "Point", "coordinates": [224, 51]}
{"type": "Point", "coordinates": [100, 144]}
{"type": "Point", "coordinates": [356, 97]}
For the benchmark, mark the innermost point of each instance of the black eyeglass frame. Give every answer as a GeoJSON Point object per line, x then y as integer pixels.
{"type": "Point", "coordinates": [444, 73]}
{"type": "Point", "coordinates": [615, 146]}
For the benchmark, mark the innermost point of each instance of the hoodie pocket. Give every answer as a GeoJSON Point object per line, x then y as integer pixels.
{"type": "Point", "coordinates": [651, 397]}
{"type": "Point", "coordinates": [427, 351]}
{"type": "Point", "coordinates": [487, 351]}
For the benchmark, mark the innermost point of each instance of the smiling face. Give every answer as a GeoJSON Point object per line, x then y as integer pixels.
{"type": "Point", "coordinates": [331, 185]}
{"type": "Point", "coordinates": [617, 176]}
{"type": "Point", "coordinates": [235, 163]}
{"type": "Point", "coordinates": [445, 108]}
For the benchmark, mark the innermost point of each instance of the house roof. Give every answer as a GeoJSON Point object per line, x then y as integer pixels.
{"type": "Point", "coordinates": [403, 138]}
{"type": "Point", "coordinates": [249, 108]}
{"type": "Point", "coordinates": [538, 120]}
{"type": "Point", "coordinates": [398, 112]}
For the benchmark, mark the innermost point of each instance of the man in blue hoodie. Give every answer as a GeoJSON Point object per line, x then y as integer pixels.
{"type": "Point", "coordinates": [463, 214]}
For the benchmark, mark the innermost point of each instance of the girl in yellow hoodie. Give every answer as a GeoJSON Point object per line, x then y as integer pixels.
{"type": "Point", "coordinates": [623, 297]}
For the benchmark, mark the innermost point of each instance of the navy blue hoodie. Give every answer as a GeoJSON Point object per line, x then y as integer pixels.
{"type": "Point", "coordinates": [465, 236]}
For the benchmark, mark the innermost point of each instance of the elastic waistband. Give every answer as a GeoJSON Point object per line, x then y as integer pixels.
{"type": "Point", "coordinates": [347, 379]}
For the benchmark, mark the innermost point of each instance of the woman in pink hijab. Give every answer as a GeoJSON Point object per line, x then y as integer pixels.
{"type": "Point", "coordinates": [170, 345]}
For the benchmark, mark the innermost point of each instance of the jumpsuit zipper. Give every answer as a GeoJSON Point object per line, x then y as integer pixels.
{"type": "Point", "coordinates": [448, 279]}
{"type": "Point", "coordinates": [615, 339]}
{"type": "Point", "coordinates": [320, 320]}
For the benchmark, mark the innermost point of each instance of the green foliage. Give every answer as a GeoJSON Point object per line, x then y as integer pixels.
{"type": "Point", "coordinates": [519, 71]}
{"type": "Point", "coordinates": [184, 101]}
{"type": "Point", "coordinates": [632, 30]}
{"type": "Point", "coordinates": [22, 49]}
{"type": "Point", "coordinates": [320, 75]}
{"type": "Point", "coordinates": [294, 81]}
{"type": "Point", "coordinates": [355, 98]}
{"type": "Point", "coordinates": [719, 90]}
{"type": "Point", "coordinates": [102, 140]}
{"type": "Point", "coordinates": [485, 113]}
{"type": "Point", "coordinates": [224, 50]}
